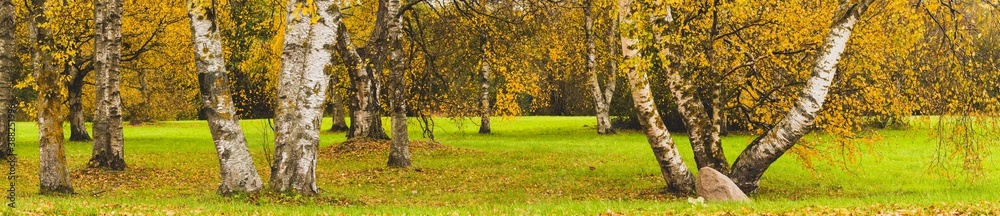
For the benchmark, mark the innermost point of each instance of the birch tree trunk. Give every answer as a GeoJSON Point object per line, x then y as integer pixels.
{"type": "Point", "coordinates": [109, 147]}
{"type": "Point", "coordinates": [484, 98]}
{"type": "Point", "coordinates": [701, 130]}
{"type": "Point", "coordinates": [365, 120]}
{"type": "Point", "coordinates": [601, 104]}
{"type": "Point", "coordinates": [77, 124]}
{"type": "Point", "coordinates": [615, 51]}
{"type": "Point", "coordinates": [360, 81]}
{"type": "Point", "coordinates": [679, 179]}
{"type": "Point", "coordinates": [373, 62]}
{"type": "Point", "coordinates": [54, 173]}
{"type": "Point", "coordinates": [767, 148]}
{"type": "Point", "coordinates": [399, 153]}
{"type": "Point", "coordinates": [339, 124]}
{"type": "Point", "coordinates": [8, 63]}
{"type": "Point", "coordinates": [236, 166]}
{"type": "Point", "coordinates": [309, 39]}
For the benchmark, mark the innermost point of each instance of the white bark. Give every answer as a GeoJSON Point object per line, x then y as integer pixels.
{"type": "Point", "coordinates": [365, 120]}
{"type": "Point", "coordinates": [484, 98]}
{"type": "Point", "coordinates": [702, 131]}
{"type": "Point", "coordinates": [399, 154]}
{"type": "Point", "coordinates": [237, 169]}
{"type": "Point", "coordinates": [308, 51]}
{"type": "Point", "coordinates": [679, 179]}
{"type": "Point", "coordinates": [109, 146]}
{"type": "Point", "coordinates": [766, 149]}
{"type": "Point", "coordinates": [601, 104]}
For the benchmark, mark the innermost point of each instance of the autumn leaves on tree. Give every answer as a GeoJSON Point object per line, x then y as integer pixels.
{"type": "Point", "coordinates": [313, 29]}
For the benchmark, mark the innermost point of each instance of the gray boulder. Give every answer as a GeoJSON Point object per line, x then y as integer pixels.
{"type": "Point", "coordinates": [714, 186]}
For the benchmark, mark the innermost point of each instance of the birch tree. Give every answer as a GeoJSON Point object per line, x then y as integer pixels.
{"type": "Point", "coordinates": [364, 108]}
{"type": "Point", "coordinates": [602, 97]}
{"type": "Point", "coordinates": [399, 153]}
{"type": "Point", "coordinates": [54, 172]}
{"type": "Point", "coordinates": [679, 179]}
{"type": "Point", "coordinates": [702, 132]}
{"type": "Point", "coordinates": [109, 149]}
{"type": "Point", "coordinates": [767, 148]}
{"type": "Point", "coordinates": [309, 38]}
{"type": "Point", "coordinates": [703, 126]}
{"type": "Point", "coordinates": [8, 63]}
{"type": "Point", "coordinates": [485, 109]}
{"type": "Point", "coordinates": [236, 166]}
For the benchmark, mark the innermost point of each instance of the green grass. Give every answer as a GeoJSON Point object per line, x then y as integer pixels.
{"type": "Point", "coordinates": [531, 165]}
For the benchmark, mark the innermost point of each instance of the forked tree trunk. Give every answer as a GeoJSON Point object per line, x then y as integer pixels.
{"type": "Point", "coordinates": [77, 124]}
{"type": "Point", "coordinates": [701, 130]}
{"type": "Point", "coordinates": [679, 179]}
{"type": "Point", "coordinates": [309, 38]}
{"type": "Point", "coordinates": [109, 146]}
{"type": "Point", "coordinates": [601, 104]}
{"type": "Point", "coordinates": [613, 37]}
{"type": "Point", "coordinates": [337, 103]}
{"type": "Point", "coordinates": [485, 110]}
{"type": "Point", "coordinates": [767, 148]}
{"type": "Point", "coordinates": [376, 56]}
{"type": "Point", "coordinates": [365, 120]}
{"type": "Point", "coordinates": [54, 173]}
{"type": "Point", "coordinates": [8, 63]}
{"type": "Point", "coordinates": [360, 81]}
{"type": "Point", "coordinates": [399, 153]}
{"type": "Point", "coordinates": [237, 169]}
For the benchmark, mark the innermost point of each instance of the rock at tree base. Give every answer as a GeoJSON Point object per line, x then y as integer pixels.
{"type": "Point", "coordinates": [715, 186]}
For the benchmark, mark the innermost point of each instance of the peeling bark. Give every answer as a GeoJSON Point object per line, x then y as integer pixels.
{"type": "Point", "coordinates": [109, 146]}
{"type": "Point", "coordinates": [485, 110]}
{"type": "Point", "coordinates": [8, 63]}
{"type": "Point", "coordinates": [767, 148]}
{"type": "Point", "coordinates": [236, 166]}
{"type": "Point", "coordinates": [54, 172]}
{"type": "Point", "coordinates": [679, 179]}
{"type": "Point", "coordinates": [307, 53]}
{"type": "Point", "coordinates": [399, 153]}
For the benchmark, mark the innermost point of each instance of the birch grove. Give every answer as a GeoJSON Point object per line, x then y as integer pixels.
{"type": "Point", "coordinates": [770, 72]}
{"type": "Point", "coordinates": [704, 128]}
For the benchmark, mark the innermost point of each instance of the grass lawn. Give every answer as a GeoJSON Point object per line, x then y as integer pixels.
{"type": "Point", "coordinates": [531, 165]}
